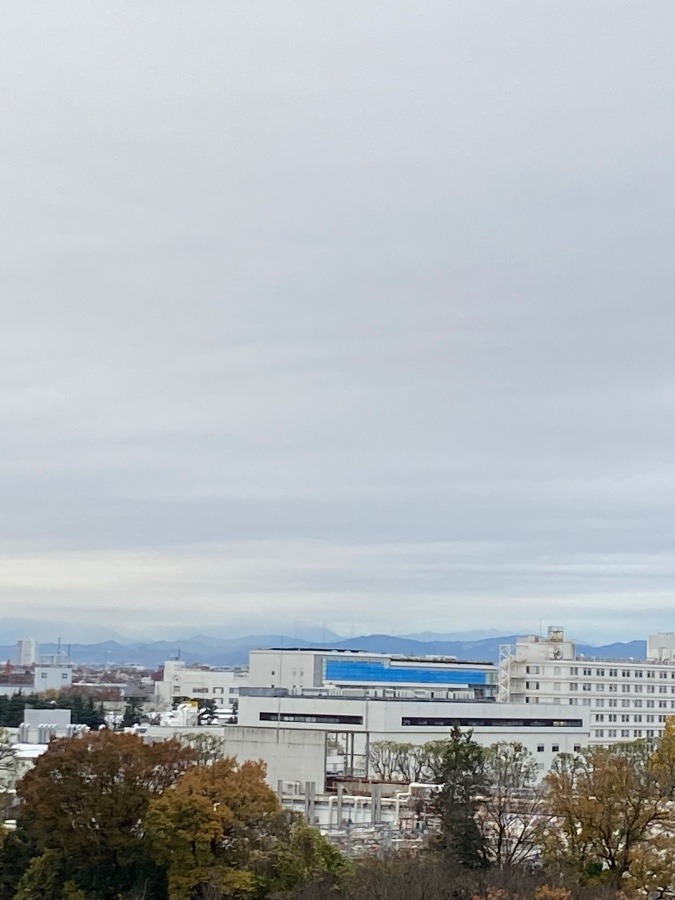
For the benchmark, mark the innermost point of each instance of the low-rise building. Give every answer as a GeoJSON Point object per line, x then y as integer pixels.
{"type": "Point", "coordinates": [198, 683]}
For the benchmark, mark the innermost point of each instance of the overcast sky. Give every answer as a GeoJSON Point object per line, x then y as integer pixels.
{"type": "Point", "coordinates": [351, 314]}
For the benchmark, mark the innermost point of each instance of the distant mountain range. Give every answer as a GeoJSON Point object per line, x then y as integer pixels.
{"type": "Point", "coordinates": [215, 651]}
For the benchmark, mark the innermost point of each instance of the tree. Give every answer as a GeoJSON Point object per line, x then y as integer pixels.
{"type": "Point", "coordinates": [213, 826]}
{"type": "Point", "coordinates": [510, 816]}
{"type": "Point", "coordinates": [462, 776]}
{"type": "Point", "coordinates": [85, 802]}
{"type": "Point", "coordinates": [605, 806]}
{"type": "Point", "coordinates": [132, 712]}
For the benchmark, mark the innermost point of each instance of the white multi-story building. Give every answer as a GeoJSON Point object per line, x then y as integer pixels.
{"type": "Point", "coordinates": [375, 674]}
{"type": "Point", "coordinates": [360, 721]}
{"type": "Point", "coordinates": [27, 652]}
{"type": "Point", "coordinates": [626, 699]}
{"type": "Point", "coordinates": [198, 683]}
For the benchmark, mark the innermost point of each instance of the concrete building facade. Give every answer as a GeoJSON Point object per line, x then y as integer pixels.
{"type": "Point", "coordinates": [625, 699]}
{"type": "Point", "coordinates": [363, 720]}
{"type": "Point", "coordinates": [377, 674]}
{"type": "Point", "coordinates": [198, 683]}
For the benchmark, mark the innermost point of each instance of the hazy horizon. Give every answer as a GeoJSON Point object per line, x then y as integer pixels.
{"type": "Point", "coordinates": [347, 314]}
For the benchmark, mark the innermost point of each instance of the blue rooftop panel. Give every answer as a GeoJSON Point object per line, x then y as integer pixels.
{"type": "Point", "coordinates": [377, 672]}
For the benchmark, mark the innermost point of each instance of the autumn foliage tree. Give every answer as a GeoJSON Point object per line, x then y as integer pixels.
{"type": "Point", "coordinates": [606, 806]}
{"type": "Point", "coordinates": [221, 832]}
{"type": "Point", "coordinates": [84, 805]}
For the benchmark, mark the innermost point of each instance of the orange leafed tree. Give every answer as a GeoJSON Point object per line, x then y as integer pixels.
{"type": "Point", "coordinates": [86, 799]}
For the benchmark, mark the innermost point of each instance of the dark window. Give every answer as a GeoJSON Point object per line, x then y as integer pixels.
{"type": "Point", "coordinates": [310, 717]}
{"type": "Point", "coordinates": [436, 722]}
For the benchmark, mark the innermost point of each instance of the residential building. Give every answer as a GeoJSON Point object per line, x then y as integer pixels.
{"type": "Point", "coordinates": [626, 699]}
{"type": "Point", "coordinates": [198, 683]}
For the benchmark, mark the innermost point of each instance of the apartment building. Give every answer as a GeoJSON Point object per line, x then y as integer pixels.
{"type": "Point", "coordinates": [625, 699]}
{"type": "Point", "coordinates": [198, 683]}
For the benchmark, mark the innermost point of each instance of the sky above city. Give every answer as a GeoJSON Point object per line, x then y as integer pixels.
{"type": "Point", "coordinates": [350, 314]}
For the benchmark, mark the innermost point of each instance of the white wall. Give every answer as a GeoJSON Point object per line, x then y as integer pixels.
{"type": "Point", "coordinates": [290, 754]}
{"type": "Point", "coordinates": [382, 720]}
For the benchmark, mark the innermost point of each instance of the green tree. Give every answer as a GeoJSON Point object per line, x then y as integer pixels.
{"type": "Point", "coordinates": [605, 806]}
{"type": "Point", "coordinates": [132, 712]}
{"type": "Point", "coordinates": [463, 786]}
{"type": "Point", "coordinates": [85, 802]}
{"type": "Point", "coordinates": [215, 829]}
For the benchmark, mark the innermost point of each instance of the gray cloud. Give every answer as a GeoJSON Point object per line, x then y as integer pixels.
{"type": "Point", "coordinates": [338, 311]}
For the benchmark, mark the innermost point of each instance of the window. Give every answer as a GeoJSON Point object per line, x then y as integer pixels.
{"type": "Point", "coordinates": [532, 670]}
{"type": "Point", "coordinates": [555, 748]}
{"type": "Point", "coordinates": [611, 703]}
{"type": "Point", "coordinates": [613, 688]}
{"type": "Point", "coordinates": [599, 702]}
{"type": "Point", "coordinates": [613, 673]}
{"type": "Point", "coordinates": [588, 672]}
{"type": "Point", "coordinates": [64, 675]}
{"type": "Point", "coordinates": [532, 685]}
{"type": "Point", "coordinates": [313, 718]}
{"type": "Point", "coordinates": [650, 704]}
{"type": "Point", "coordinates": [611, 732]}
{"type": "Point", "coordinates": [637, 732]}
{"type": "Point", "coordinates": [612, 717]}
{"type": "Point", "coordinates": [625, 703]}
{"type": "Point", "coordinates": [574, 686]}
{"type": "Point", "coordinates": [638, 673]}
{"type": "Point", "coordinates": [638, 688]}
{"type": "Point", "coordinates": [638, 704]}
{"type": "Point", "coordinates": [586, 686]}
{"type": "Point", "coordinates": [599, 732]}
{"type": "Point", "coordinates": [600, 717]}
{"type": "Point", "coordinates": [218, 690]}
{"type": "Point", "coordinates": [625, 732]}
{"type": "Point", "coordinates": [600, 672]}
{"type": "Point", "coordinates": [43, 674]}
{"type": "Point", "coordinates": [586, 701]}
{"type": "Point", "coordinates": [600, 687]}
{"type": "Point", "coordinates": [540, 748]}
{"type": "Point", "coordinates": [577, 748]}
{"type": "Point", "coordinates": [651, 689]}
{"type": "Point", "coordinates": [625, 717]}
{"type": "Point", "coordinates": [637, 718]}
{"type": "Point", "coordinates": [625, 673]}
{"type": "Point", "coordinates": [574, 670]}
{"type": "Point", "coordinates": [663, 689]}
{"type": "Point", "coordinates": [625, 689]}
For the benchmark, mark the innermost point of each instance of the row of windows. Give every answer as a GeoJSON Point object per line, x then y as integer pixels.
{"type": "Point", "coordinates": [555, 748]}
{"type": "Point", "coordinates": [625, 704]}
{"type": "Point", "coordinates": [626, 732]}
{"type": "Point", "coordinates": [311, 717]}
{"type": "Point", "coordinates": [611, 688]}
{"type": "Point", "coordinates": [625, 717]}
{"type": "Point", "coordinates": [604, 672]}
{"type": "Point", "coordinates": [436, 722]}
